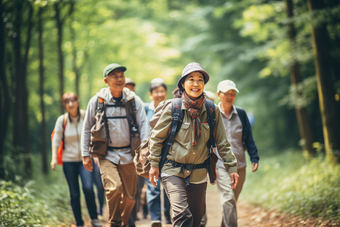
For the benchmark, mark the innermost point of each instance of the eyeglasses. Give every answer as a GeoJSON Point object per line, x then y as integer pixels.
{"type": "Point", "coordinates": [67, 102]}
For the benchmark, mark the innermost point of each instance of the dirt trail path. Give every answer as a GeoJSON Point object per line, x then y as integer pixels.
{"type": "Point", "coordinates": [248, 215]}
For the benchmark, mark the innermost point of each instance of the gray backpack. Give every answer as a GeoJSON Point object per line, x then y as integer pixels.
{"type": "Point", "coordinates": [100, 133]}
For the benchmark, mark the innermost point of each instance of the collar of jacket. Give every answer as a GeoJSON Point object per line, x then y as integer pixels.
{"type": "Point", "coordinates": [105, 94]}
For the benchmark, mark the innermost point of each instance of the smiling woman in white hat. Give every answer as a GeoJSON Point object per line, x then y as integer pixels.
{"type": "Point", "coordinates": [184, 174]}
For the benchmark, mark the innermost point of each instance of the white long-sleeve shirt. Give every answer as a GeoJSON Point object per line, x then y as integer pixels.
{"type": "Point", "coordinates": [72, 133]}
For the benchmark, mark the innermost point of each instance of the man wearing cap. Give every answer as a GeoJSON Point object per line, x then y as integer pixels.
{"type": "Point", "coordinates": [118, 172]}
{"type": "Point", "coordinates": [240, 136]}
{"type": "Point", "coordinates": [130, 84]}
{"type": "Point", "coordinates": [157, 93]}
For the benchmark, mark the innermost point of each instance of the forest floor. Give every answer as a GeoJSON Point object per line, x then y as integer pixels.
{"type": "Point", "coordinates": [248, 215]}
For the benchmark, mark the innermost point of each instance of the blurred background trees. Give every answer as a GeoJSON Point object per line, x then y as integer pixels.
{"type": "Point", "coordinates": [283, 55]}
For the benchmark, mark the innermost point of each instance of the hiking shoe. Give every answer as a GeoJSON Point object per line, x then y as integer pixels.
{"type": "Point", "coordinates": [96, 223]}
{"type": "Point", "coordinates": [156, 224]}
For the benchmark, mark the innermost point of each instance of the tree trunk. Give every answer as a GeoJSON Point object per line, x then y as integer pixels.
{"type": "Point", "coordinates": [17, 110]}
{"type": "Point", "coordinates": [5, 101]}
{"type": "Point", "coordinates": [74, 51]}
{"type": "Point", "coordinates": [325, 85]}
{"type": "Point", "coordinates": [60, 52]}
{"type": "Point", "coordinates": [41, 85]}
{"type": "Point", "coordinates": [89, 77]}
{"type": "Point", "coordinates": [25, 126]}
{"type": "Point", "coordinates": [295, 77]}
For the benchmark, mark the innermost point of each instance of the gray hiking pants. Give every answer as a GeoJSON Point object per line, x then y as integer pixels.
{"type": "Point", "coordinates": [227, 198]}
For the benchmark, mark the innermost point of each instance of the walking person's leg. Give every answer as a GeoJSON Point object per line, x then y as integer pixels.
{"type": "Point", "coordinates": [100, 188]}
{"type": "Point", "coordinates": [196, 199]}
{"type": "Point", "coordinates": [114, 189]}
{"type": "Point", "coordinates": [133, 216]}
{"type": "Point", "coordinates": [153, 198]}
{"type": "Point", "coordinates": [242, 178]}
{"type": "Point", "coordinates": [87, 183]}
{"type": "Point", "coordinates": [227, 198]}
{"type": "Point", "coordinates": [166, 208]}
{"type": "Point", "coordinates": [71, 173]}
{"type": "Point", "coordinates": [129, 182]}
{"type": "Point", "coordinates": [175, 188]}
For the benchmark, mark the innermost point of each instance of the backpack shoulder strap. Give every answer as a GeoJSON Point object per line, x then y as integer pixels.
{"type": "Point", "coordinates": [177, 112]}
{"type": "Point", "coordinates": [82, 113]}
{"type": "Point", "coordinates": [131, 112]}
{"type": "Point", "coordinates": [100, 104]}
{"type": "Point", "coordinates": [176, 123]}
{"type": "Point", "coordinates": [65, 120]}
{"type": "Point", "coordinates": [211, 114]}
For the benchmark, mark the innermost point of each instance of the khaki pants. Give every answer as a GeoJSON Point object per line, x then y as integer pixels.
{"type": "Point", "coordinates": [228, 197]}
{"type": "Point", "coordinates": [120, 183]}
{"type": "Point", "coordinates": [187, 201]}
{"type": "Point", "coordinates": [242, 173]}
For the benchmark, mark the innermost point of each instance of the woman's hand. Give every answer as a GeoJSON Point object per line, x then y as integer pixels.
{"type": "Point", "coordinates": [153, 174]}
{"type": "Point", "coordinates": [53, 163]}
{"type": "Point", "coordinates": [54, 159]}
{"type": "Point", "coordinates": [234, 180]}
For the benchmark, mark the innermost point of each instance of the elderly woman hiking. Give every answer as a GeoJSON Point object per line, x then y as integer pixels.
{"type": "Point", "coordinates": [186, 188]}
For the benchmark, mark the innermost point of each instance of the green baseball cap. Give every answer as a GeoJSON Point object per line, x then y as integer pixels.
{"type": "Point", "coordinates": [112, 67]}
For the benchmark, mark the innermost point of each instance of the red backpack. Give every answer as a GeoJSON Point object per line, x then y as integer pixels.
{"type": "Point", "coordinates": [61, 146]}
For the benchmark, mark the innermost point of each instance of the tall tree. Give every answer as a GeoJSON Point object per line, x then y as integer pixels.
{"type": "Point", "coordinates": [21, 122]}
{"type": "Point", "coordinates": [76, 69]}
{"type": "Point", "coordinates": [59, 23]}
{"type": "Point", "coordinates": [28, 163]}
{"type": "Point", "coordinates": [5, 100]}
{"type": "Point", "coordinates": [295, 77]}
{"type": "Point", "coordinates": [41, 85]}
{"type": "Point", "coordinates": [326, 92]}
{"type": "Point", "coordinates": [17, 105]}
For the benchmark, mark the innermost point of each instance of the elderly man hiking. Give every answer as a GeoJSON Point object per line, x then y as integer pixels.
{"type": "Point", "coordinates": [239, 134]}
{"type": "Point", "coordinates": [115, 123]}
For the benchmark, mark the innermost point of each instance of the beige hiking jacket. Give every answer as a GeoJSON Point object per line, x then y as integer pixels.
{"type": "Point", "coordinates": [182, 150]}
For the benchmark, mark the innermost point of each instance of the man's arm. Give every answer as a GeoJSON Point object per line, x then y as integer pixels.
{"type": "Point", "coordinates": [249, 141]}
{"type": "Point", "coordinates": [89, 121]}
{"type": "Point", "coordinates": [142, 120]}
{"type": "Point", "coordinates": [223, 145]}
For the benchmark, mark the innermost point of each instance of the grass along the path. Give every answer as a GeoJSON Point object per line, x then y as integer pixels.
{"type": "Point", "coordinates": [288, 183]}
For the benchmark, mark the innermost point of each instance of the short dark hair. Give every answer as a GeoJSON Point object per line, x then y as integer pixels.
{"type": "Point", "coordinates": [156, 85]}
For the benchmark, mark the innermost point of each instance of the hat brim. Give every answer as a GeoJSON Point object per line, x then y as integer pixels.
{"type": "Point", "coordinates": [182, 79]}
{"type": "Point", "coordinates": [224, 90]}
{"type": "Point", "coordinates": [123, 68]}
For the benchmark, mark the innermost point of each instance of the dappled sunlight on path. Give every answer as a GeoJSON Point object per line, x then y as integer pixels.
{"type": "Point", "coordinates": [248, 215]}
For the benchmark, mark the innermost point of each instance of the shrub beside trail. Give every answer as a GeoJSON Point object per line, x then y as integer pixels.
{"type": "Point", "coordinates": [289, 183]}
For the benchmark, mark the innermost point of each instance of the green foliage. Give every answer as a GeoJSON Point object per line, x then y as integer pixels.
{"type": "Point", "coordinates": [33, 205]}
{"type": "Point", "coordinates": [44, 200]}
{"type": "Point", "coordinates": [290, 184]}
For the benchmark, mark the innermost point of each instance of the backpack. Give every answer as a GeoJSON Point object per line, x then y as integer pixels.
{"type": "Point", "coordinates": [100, 133]}
{"type": "Point", "coordinates": [142, 163]}
{"type": "Point", "coordinates": [62, 146]}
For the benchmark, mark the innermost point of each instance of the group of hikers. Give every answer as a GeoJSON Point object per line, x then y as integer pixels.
{"type": "Point", "coordinates": [190, 141]}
